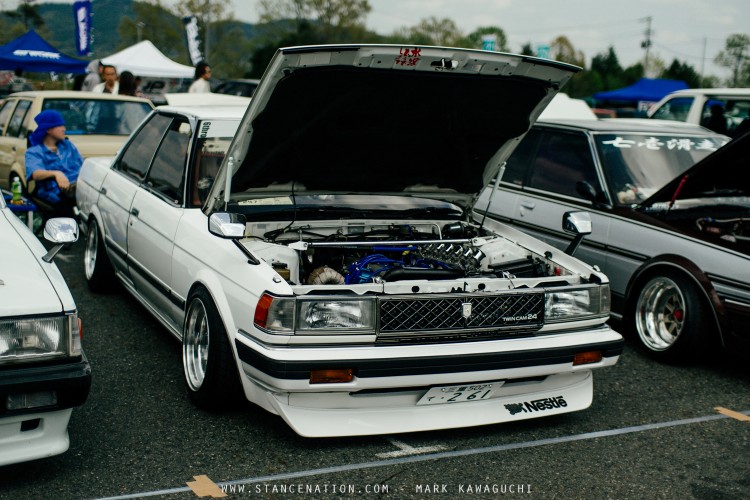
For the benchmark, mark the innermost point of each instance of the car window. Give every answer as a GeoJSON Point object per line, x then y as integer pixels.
{"type": "Point", "coordinates": [674, 109]}
{"type": "Point", "coordinates": [167, 172]}
{"type": "Point", "coordinates": [563, 160]}
{"type": "Point", "coordinates": [211, 147]}
{"type": "Point", "coordinates": [5, 112]}
{"type": "Point", "coordinates": [724, 115]}
{"type": "Point", "coordinates": [16, 120]}
{"type": "Point", "coordinates": [519, 163]}
{"type": "Point", "coordinates": [141, 149]}
{"type": "Point", "coordinates": [637, 165]}
{"type": "Point", "coordinates": [99, 116]}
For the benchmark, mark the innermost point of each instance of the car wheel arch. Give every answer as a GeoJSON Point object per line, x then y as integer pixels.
{"type": "Point", "coordinates": [212, 285]}
{"type": "Point", "coordinates": [687, 268]}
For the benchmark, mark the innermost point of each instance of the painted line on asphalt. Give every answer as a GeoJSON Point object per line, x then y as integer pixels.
{"type": "Point", "coordinates": [441, 455]}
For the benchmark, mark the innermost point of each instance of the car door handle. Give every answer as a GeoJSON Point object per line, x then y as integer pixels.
{"type": "Point", "coordinates": [103, 190]}
{"type": "Point", "coordinates": [528, 205]}
{"type": "Point", "coordinates": [134, 212]}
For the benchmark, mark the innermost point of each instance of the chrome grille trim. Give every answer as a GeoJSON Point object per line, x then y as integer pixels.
{"type": "Point", "coordinates": [440, 314]}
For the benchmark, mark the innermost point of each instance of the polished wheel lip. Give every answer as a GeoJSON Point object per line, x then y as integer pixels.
{"type": "Point", "coordinates": [92, 244]}
{"type": "Point", "coordinates": [660, 314]}
{"type": "Point", "coordinates": [195, 344]}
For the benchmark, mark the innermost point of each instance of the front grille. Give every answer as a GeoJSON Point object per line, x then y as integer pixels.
{"type": "Point", "coordinates": [460, 313]}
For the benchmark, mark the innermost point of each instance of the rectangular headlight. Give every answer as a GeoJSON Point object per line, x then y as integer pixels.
{"type": "Point", "coordinates": [336, 315]}
{"type": "Point", "coordinates": [319, 315]}
{"type": "Point", "coordinates": [31, 339]}
{"type": "Point", "coordinates": [581, 303]}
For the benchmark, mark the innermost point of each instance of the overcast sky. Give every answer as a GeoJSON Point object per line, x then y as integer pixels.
{"type": "Point", "coordinates": [692, 31]}
{"type": "Point", "coordinates": [680, 28]}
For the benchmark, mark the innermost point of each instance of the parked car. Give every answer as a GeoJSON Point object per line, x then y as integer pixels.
{"type": "Point", "coordinates": [97, 124]}
{"type": "Point", "coordinates": [677, 257]}
{"type": "Point", "coordinates": [44, 372]}
{"type": "Point", "coordinates": [334, 274]}
{"type": "Point", "coordinates": [239, 87]}
{"type": "Point", "coordinates": [722, 110]}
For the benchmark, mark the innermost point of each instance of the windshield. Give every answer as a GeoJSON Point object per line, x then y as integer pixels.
{"type": "Point", "coordinates": [636, 165]}
{"type": "Point", "coordinates": [98, 116]}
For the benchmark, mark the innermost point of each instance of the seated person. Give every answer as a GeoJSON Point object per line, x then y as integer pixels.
{"type": "Point", "coordinates": [53, 163]}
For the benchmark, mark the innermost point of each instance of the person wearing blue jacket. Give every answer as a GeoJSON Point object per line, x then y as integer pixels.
{"type": "Point", "coordinates": [53, 163]}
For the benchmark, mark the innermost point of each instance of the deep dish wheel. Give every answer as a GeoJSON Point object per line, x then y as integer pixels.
{"type": "Point", "coordinates": [671, 318]}
{"type": "Point", "coordinates": [97, 268]}
{"type": "Point", "coordinates": [208, 362]}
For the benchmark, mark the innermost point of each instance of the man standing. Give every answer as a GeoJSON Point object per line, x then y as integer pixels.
{"type": "Point", "coordinates": [93, 78]}
{"type": "Point", "coordinates": [202, 76]}
{"type": "Point", "coordinates": [110, 85]}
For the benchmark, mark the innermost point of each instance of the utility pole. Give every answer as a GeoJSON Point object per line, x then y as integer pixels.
{"type": "Point", "coordinates": [208, 23]}
{"type": "Point", "coordinates": [703, 60]}
{"type": "Point", "coordinates": [646, 44]}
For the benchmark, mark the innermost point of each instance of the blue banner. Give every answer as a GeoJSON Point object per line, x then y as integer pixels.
{"type": "Point", "coordinates": [82, 18]}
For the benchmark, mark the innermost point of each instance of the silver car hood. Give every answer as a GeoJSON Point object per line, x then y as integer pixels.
{"type": "Point", "coordinates": [384, 120]}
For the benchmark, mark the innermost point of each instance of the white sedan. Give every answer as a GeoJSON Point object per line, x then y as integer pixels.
{"type": "Point", "coordinates": [332, 271]}
{"type": "Point", "coordinates": [44, 373]}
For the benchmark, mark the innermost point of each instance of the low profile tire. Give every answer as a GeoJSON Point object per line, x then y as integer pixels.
{"type": "Point", "coordinates": [207, 360]}
{"type": "Point", "coordinates": [670, 318]}
{"type": "Point", "coordinates": [100, 276]}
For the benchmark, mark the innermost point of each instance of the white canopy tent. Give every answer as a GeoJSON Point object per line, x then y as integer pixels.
{"type": "Point", "coordinates": [144, 59]}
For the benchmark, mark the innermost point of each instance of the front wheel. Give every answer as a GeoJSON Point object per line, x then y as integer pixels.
{"type": "Point", "coordinates": [671, 319]}
{"type": "Point", "coordinates": [208, 362]}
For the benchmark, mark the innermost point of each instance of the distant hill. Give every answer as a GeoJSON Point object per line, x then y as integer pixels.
{"type": "Point", "coordinates": [107, 14]}
{"type": "Point", "coordinates": [58, 20]}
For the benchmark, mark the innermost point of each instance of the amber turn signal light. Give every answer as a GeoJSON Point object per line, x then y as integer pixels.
{"type": "Point", "coordinates": [584, 358]}
{"type": "Point", "coordinates": [337, 376]}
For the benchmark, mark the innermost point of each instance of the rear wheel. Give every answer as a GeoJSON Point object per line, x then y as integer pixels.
{"type": "Point", "coordinates": [100, 276]}
{"type": "Point", "coordinates": [670, 318]}
{"type": "Point", "coordinates": [208, 362]}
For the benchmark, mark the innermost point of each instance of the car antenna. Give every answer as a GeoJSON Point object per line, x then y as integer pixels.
{"type": "Point", "coordinates": [497, 183]}
{"type": "Point", "coordinates": [677, 191]}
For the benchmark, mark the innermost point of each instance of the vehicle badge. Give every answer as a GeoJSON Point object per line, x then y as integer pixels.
{"type": "Point", "coordinates": [466, 310]}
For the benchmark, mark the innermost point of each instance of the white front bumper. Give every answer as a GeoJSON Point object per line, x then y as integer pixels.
{"type": "Point", "coordinates": [48, 438]}
{"type": "Point", "coordinates": [342, 414]}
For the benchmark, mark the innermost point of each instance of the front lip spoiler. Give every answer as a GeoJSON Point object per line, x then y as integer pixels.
{"type": "Point", "coordinates": [400, 367]}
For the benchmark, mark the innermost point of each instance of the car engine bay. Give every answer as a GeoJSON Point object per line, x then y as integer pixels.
{"type": "Point", "coordinates": [339, 253]}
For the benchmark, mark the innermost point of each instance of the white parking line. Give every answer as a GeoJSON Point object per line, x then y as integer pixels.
{"type": "Point", "coordinates": [442, 455]}
{"type": "Point", "coordinates": [404, 450]}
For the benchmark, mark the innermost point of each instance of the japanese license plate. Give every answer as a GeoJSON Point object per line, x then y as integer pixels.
{"type": "Point", "coordinates": [459, 393]}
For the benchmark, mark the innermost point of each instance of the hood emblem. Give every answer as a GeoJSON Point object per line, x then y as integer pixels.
{"type": "Point", "coordinates": [466, 310]}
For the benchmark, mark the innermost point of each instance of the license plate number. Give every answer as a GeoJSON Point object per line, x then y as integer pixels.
{"type": "Point", "coordinates": [459, 393]}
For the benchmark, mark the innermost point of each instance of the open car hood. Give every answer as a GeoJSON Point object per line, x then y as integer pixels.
{"type": "Point", "coordinates": [721, 174]}
{"type": "Point", "coordinates": [385, 120]}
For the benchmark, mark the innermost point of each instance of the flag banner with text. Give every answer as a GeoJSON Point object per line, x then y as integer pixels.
{"type": "Point", "coordinates": [82, 17]}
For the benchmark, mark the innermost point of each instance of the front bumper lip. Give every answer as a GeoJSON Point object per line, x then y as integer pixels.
{"type": "Point", "coordinates": [70, 379]}
{"type": "Point", "coordinates": [424, 365]}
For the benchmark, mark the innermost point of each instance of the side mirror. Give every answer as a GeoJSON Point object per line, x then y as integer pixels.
{"type": "Point", "coordinates": [227, 225]}
{"type": "Point", "coordinates": [579, 224]}
{"type": "Point", "coordinates": [60, 230]}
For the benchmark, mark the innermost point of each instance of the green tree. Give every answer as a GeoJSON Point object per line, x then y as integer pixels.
{"type": "Point", "coordinates": [683, 71]}
{"type": "Point", "coordinates": [561, 49]}
{"type": "Point", "coordinates": [474, 39]}
{"type": "Point", "coordinates": [335, 20]}
{"type": "Point", "coordinates": [609, 69]}
{"type": "Point", "coordinates": [527, 49]}
{"type": "Point", "coordinates": [28, 14]}
{"type": "Point", "coordinates": [433, 31]}
{"type": "Point", "coordinates": [152, 21]}
{"type": "Point", "coordinates": [736, 56]}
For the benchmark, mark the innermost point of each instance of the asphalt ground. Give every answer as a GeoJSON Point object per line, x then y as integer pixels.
{"type": "Point", "coordinates": [653, 431]}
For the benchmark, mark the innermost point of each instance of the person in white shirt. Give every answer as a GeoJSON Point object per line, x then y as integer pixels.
{"type": "Point", "coordinates": [110, 85]}
{"type": "Point", "coordinates": [202, 76]}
